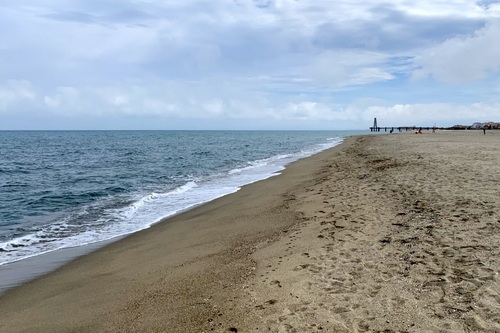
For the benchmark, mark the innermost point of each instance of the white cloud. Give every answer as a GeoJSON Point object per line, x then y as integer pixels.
{"type": "Point", "coordinates": [441, 114]}
{"type": "Point", "coordinates": [15, 91]}
{"type": "Point", "coordinates": [344, 68]}
{"type": "Point", "coordinates": [273, 62]}
{"type": "Point", "coordinates": [159, 107]}
{"type": "Point", "coordinates": [65, 97]}
{"type": "Point", "coordinates": [308, 110]}
{"type": "Point", "coordinates": [463, 59]}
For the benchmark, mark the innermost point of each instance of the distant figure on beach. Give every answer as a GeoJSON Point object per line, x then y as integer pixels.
{"type": "Point", "coordinates": [392, 130]}
{"type": "Point", "coordinates": [419, 131]}
{"type": "Point", "coordinates": [484, 130]}
{"type": "Point", "coordinates": [433, 129]}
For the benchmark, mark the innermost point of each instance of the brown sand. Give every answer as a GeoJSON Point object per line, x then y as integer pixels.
{"type": "Point", "coordinates": [386, 233]}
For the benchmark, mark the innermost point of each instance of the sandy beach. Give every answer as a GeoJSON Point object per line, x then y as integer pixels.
{"type": "Point", "coordinates": [384, 233]}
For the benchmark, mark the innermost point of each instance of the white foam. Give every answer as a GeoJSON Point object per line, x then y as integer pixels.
{"type": "Point", "coordinates": [148, 208]}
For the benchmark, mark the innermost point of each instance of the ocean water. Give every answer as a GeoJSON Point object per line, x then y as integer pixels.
{"type": "Point", "coordinates": [63, 189]}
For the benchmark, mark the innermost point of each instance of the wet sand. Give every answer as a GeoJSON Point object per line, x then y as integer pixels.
{"type": "Point", "coordinates": [385, 233]}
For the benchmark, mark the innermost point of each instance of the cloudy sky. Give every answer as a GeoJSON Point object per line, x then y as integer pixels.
{"type": "Point", "coordinates": [248, 64]}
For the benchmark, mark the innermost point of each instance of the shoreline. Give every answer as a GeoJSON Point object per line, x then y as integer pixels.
{"type": "Point", "coordinates": [183, 245]}
{"type": "Point", "coordinates": [383, 232]}
{"type": "Point", "coordinates": [17, 273]}
{"type": "Point", "coordinates": [21, 271]}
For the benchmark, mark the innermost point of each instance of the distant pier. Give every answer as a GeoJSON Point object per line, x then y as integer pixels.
{"type": "Point", "coordinates": [404, 128]}
{"type": "Point", "coordinates": [476, 126]}
{"type": "Point", "coordinates": [376, 128]}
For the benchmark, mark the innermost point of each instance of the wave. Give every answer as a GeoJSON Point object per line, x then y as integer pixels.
{"type": "Point", "coordinates": [120, 213]}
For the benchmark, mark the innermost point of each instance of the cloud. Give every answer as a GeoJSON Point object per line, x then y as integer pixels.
{"type": "Point", "coordinates": [346, 68]}
{"type": "Point", "coordinates": [442, 114]}
{"type": "Point", "coordinates": [463, 59]}
{"type": "Point", "coordinates": [487, 4]}
{"type": "Point", "coordinates": [65, 98]}
{"type": "Point", "coordinates": [15, 92]}
{"type": "Point", "coordinates": [394, 29]}
{"type": "Point", "coordinates": [266, 63]}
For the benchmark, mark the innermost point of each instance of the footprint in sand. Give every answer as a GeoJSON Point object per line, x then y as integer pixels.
{"type": "Point", "coordinates": [276, 283]}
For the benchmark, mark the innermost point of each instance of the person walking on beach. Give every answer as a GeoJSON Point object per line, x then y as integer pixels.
{"type": "Point", "coordinates": [484, 130]}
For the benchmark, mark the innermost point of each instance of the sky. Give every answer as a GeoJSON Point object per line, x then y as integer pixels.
{"type": "Point", "coordinates": [247, 64]}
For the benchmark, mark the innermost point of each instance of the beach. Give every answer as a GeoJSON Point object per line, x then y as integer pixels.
{"type": "Point", "coordinates": [383, 233]}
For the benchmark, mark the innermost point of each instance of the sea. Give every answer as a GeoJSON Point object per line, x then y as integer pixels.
{"type": "Point", "coordinates": [67, 189]}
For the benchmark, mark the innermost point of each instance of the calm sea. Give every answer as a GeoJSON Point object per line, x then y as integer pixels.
{"type": "Point", "coordinates": [61, 189]}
